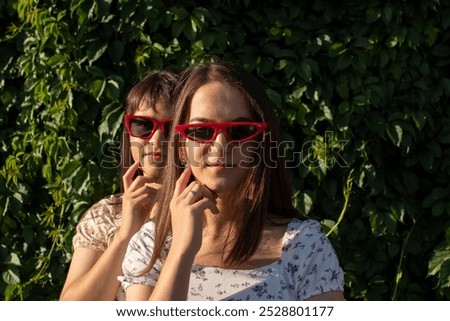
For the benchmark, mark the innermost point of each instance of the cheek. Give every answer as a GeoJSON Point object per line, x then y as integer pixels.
{"type": "Point", "coordinates": [248, 155]}
{"type": "Point", "coordinates": [195, 153]}
{"type": "Point", "coordinates": [197, 173]}
{"type": "Point", "coordinates": [136, 148]}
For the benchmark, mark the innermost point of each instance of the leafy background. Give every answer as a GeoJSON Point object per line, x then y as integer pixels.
{"type": "Point", "coordinates": [362, 93]}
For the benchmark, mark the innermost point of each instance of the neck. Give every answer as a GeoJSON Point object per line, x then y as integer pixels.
{"type": "Point", "coordinates": [154, 184]}
{"type": "Point", "coordinates": [216, 224]}
{"type": "Point", "coordinates": [153, 178]}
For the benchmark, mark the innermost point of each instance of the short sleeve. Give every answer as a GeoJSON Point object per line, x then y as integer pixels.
{"type": "Point", "coordinates": [312, 261]}
{"type": "Point", "coordinates": [138, 256]}
{"type": "Point", "coordinates": [98, 226]}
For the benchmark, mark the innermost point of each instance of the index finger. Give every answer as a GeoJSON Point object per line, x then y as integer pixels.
{"type": "Point", "coordinates": [182, 181]}
{"type": "Point", "coordinates": [127, 178]}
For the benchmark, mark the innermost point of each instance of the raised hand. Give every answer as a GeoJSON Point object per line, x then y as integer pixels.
{"type": "Point", "coordinates": [187, 206]}
{"type": "Point", "coordinates": [137, 201]}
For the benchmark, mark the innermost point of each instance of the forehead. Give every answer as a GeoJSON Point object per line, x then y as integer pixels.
{"type": "Point", "coordinates": [219, 102]}
{"type": "Point", "coordinates": [159, 111]}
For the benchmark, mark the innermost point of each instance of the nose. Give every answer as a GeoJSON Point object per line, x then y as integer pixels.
{"type": "Point", "coordinates": [158, 137]}
{"type": "Point", "coordinates": [219, 143]}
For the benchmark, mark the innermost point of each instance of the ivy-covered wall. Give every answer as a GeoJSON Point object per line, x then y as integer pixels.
{"type": "Point", "coordinates": [362, 93]}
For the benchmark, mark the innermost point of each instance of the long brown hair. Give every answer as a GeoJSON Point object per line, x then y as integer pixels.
{"type": "Point", "coordinates": [265, 191]}
{"type": "Point", "coordinates": [157, 87]}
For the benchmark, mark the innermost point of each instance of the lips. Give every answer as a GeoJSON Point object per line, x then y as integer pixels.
{"type": "Point", "coordinates": [154, 155]}
{"type": "Point", "coordinates": [216, 162]}
{"type": "Point", "coordinates": [219, 165]}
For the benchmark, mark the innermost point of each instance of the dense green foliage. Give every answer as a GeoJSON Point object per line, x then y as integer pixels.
{"type": "Point", "coordinates": [362, 92]}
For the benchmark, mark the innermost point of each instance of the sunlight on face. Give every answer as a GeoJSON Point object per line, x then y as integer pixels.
{"type": "Point", "coordinates": [220, 165]}
{"type": "Point", "coordinates": [152, 153]}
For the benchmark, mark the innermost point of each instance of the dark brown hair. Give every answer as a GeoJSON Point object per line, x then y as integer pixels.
{"type": "Point", "coordinates": [265, 191]}
{"type": "Point", "coordinates": [157, 87]}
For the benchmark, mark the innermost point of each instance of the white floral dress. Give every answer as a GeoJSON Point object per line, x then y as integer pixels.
{"type": "Point", "coordinates": [308, 266]}
{"type": "Point", "coordinates": [98, 227]}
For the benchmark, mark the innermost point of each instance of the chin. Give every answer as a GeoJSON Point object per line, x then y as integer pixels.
{"type": "Point", "coordinates": [221, 188]}
{"type": "Point", "coordinates": [153, 172]}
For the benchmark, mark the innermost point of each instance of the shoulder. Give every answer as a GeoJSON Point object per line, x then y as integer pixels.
{"type": "Point", "coordinates": [140, 250]}
{"type": "Point", "coordinates": [145, 236]}
{"type": "Point", "coordinates": [107, 208]}
{"type": "Point", "coordinates": [110, 203]}
{"type": "Point", "coordinates": [303, 235]}
{"type": "Point", "coordinates": [143, 241]}
{"type": "Point", "coordinates": [309, 258]}
{"type": "Point", "coordinates": [306, 228]}
{"type": "Point", "coordinates": [99, 224]}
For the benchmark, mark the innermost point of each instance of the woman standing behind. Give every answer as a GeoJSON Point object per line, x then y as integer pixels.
{"type": "Point", "coordinates": [106, 228]}
{"type": "Point", "coordinates": [225, 226]}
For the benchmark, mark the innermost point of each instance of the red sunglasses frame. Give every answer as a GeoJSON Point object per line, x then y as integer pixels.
{"type": "Point", "coordinates": [156, 124]}
{"type": "Point", "coordinates": [220, 127]}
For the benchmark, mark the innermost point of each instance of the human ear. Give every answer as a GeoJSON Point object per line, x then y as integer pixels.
{"type": "Point", "coordinates": [182, 155]}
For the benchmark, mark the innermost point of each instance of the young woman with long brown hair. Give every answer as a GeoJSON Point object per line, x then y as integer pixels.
{"type": "Point", "coordinates": [225, 227]}
{"type": "Point", "coordinates": [103, 233]}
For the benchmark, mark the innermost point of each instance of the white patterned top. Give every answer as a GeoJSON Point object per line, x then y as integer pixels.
{"type": "Point", "coordinates": [308, 266]}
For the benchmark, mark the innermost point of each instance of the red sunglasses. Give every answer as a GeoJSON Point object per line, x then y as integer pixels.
{"type": "Point", "coordinates": [233, 131]}
{"type": "Point", "coordinates": [145, 127]}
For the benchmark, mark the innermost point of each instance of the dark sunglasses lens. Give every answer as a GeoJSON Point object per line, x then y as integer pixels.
{"type": "Point", "coordinates": [240, 132]}
{"type": "Point", "coordinates": [200, 133]}
{"type": "Point", "coordinates": [141, 127]}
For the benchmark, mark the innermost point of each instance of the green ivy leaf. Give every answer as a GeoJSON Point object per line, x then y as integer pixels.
{"type": "Point", "coordinates": [439, 265]}
{"type": "Point", "coordinates": [305, 202]}
{"type": "Point", "coordinates": [95, 51]}
{"type": "Point", "coordinates": [97, 88]}
{"type": "Point", "coordinates": [71, 169]}
{"type": "Point", "coordinates": [395, 133]}
{"type": "Point", "coordinates": [111, 121]}
{"type": "Point", "coordinates": [11, 275]}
